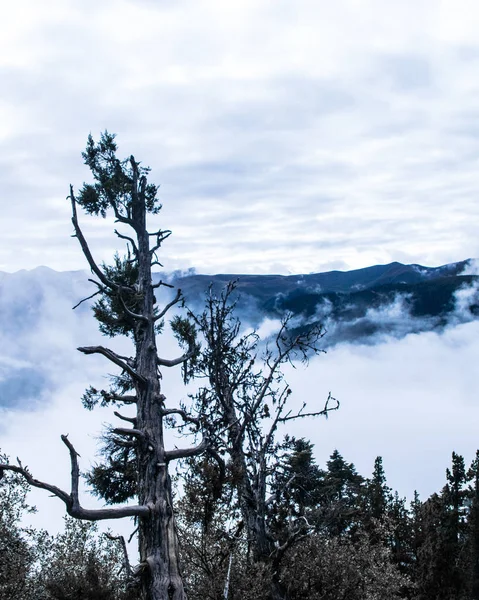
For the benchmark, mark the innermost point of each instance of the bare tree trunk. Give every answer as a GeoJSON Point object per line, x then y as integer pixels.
{"type": "Point", "coordinates": [158, 542]}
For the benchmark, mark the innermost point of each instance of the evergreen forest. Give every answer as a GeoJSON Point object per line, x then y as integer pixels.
{"type": "Point", "coordinates": [363, 541]}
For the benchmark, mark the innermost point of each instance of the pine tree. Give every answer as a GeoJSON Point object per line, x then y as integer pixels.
{"type": "Point", "coordinates": [136, 459]}
{"type": "Point", "coordinates": [401, 537]}
{"type": "Point", "coordinates": [341, 497]}
{"type": "Point", "coordinates": [473, 528]}
{"type": "Point", "coordinates": [440, 572]}
{"type": "Point", "coordinates": [296, 483]}
{"type": "Point", "coordinates": [377, 492]}
{"type": "Point", "coordinates": [455, 497]}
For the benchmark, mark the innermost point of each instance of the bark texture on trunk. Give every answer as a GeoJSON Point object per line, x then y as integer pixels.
{"type": "Point", "coordinates": [158, 542]}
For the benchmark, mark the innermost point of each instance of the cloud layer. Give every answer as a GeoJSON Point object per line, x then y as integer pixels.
{"type": "Point", "coordinates": [409, 397]}
{"type": "Point", "coordinates": [286, 137]}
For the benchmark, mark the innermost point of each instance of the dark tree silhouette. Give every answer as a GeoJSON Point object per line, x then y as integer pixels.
{"type": "Point", "coordinates": [137, 460]}
{"type": "Point", "coordinates": [245, 400]}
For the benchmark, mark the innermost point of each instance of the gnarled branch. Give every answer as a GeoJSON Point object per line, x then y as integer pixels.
{"type": "Point", "coordinates": [136, 433]}
{"type": "Point", "coordinates": [163, 362]}
{"type": "Point", "coordinates": [132, 420]}
{"type": "Point", "coordinates": [175, 300]}
{"type": "Point", "coordinates": [84, 246]}
{"type": "Point", "coordinates": [128, 239]}
{"type": "Point", "coordinates": [186, 452]}
{"type": "Point", "coordinates": [129, 312]}
{"type": "Point", "coordinates": [160, 283]}
{"type": "Point", "coordinates": [183, 414]}
{"type": "Point", "coordinates": [126, 399]}
{"type": "Point", "coordinates": [71, 500]}
{"type": "Point", "coordinates": [114, 358]}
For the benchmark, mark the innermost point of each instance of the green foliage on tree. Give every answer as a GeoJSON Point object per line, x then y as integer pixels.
{"type": "Point", "coordinates": [17, 555]}
{"type": "Point", "coordinates": [341, 497]}
{"type": "Point", "coordinates": [80, 564]}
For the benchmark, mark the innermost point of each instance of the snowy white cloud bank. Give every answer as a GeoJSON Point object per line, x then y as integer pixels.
{"type": "Point", "coordinates": [410, 397]}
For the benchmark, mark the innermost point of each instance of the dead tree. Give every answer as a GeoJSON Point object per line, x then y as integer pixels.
{"type": "Point", "coordinates": [138, 462]}
{"type": "Point", "coordinates": [245, 400]}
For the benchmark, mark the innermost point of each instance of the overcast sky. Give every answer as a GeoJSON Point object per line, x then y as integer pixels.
{"type": "Point", "coordinates": [287, 136]}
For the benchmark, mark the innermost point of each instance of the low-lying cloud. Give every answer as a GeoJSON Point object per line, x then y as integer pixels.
{"type": "Point", "coordinates": [408, 394]}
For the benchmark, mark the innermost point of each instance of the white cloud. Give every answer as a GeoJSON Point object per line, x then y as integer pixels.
{"type": "Point", "coordinates": [411, 401]}
{"type": "Point", "coordinates": [287, 136]}
{"type": "Point", "coordinates": [471, 268]}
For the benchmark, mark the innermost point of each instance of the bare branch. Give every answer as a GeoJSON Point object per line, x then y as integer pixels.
{"type": "Point", "coordinates": [85, 299]}
{"type": "Point", "coordinates": [128, 239]}
{"type": "Point", "coordinates": [323, 412]}
{"type": "Point", "coordinates": [84, 246]}
{"type": "Point", "coordinates": [279, 411]}
{"type": "Point", "coordinates": [160, 283]}
{"type": "Point", "coordinates": [75, 472]}
{"type": "Point", "coordinates": [163, 362]}
{"type": "Point", "coordinates": [114, 358]}
{"type": "Point", "coordinates": [136, 433]}
{"type": "Point", "coordinates": [161, 236]}
{"type": "Point", "coordinates": [175, 300]}
{"type": "Point", "coordinates": [123, 418]}
{"type": "Point", "coordinates": [126, 399]}
{"type": "Point", "coordinates": [100, 287]}
{"type": "Point", "coordinates": [126, 559]}
{"type": "Point", "coordinates": [71, 500]}
{"type": "Point", "coordinates": [161, 232]}
{"type": "Point", "coordinates": [121, 218]}
{"type": "Point", "coordinates": [183, 414]}
{"type": "Point", "coordinates": [318, 413]}
{"type": "Point", "coordinates": [261, 394]}
{"type": "Point", "coordinates": [186, 452]}
{"type": "Point", "coordinates": [132, 534]}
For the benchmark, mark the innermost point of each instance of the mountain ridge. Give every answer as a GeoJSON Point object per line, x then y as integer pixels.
{"type": "Point", "coordinates": [39, 330]}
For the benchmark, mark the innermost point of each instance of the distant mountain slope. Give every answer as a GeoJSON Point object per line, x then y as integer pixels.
{"type": "Point", "coordinates": [425, 298]}
{"type": "Point", "coordinates": [355, 306]}
{"type": "Point", "coordinates": [39, 331]}
{"type": "Point", "coordinates": [266, 286]}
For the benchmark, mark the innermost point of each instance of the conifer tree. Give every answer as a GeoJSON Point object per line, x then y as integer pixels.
{"type": "Point", "coordinates": [341, 496]}
{"type": "Point", "coordinates": [137, 461]}
{"type": "Point", "coordinates": [401, 534]}
{"type": "Point", "coordinates": [377, 492]}
{"type": "Point", "coordinates": [473, 528]}
{"type": "Point", "coordinates": [441, 571]}
{"type": "Point", "coordinates": [297, 482]}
